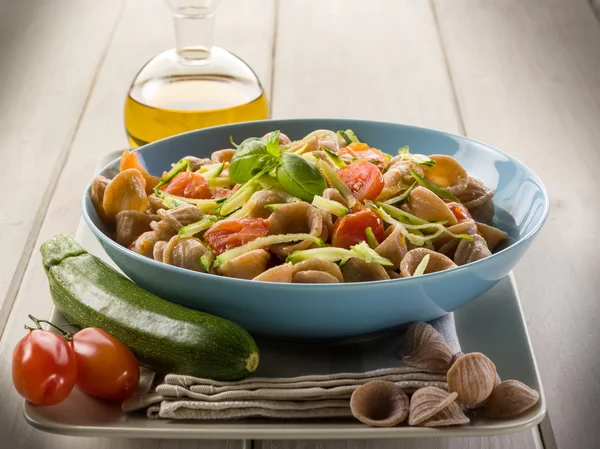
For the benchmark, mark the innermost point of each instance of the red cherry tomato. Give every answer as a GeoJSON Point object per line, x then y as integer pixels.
{"type": "Point", "coordinates": [106, 368]}
{"type": "Point", "coordinates": [460, 212]}
{"type": "Point", "coordinates": [229, 234]}
{"type": "Point", "coordinates": [362, 151]}
{"type": "Point", "coordinates": [364, 179]}
{"type": "Point", "coordinates": [350, 230]}
{"type": "Point", "coordinates": [189, 185]}
{"type": "Point", "coordinates": [44, 369]}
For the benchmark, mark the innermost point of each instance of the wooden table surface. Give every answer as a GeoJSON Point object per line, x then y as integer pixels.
{"type": "Point", "coordinates": [521, 75]}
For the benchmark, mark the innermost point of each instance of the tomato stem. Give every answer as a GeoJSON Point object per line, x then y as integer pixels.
{"type": "Point", "coordinates": [66, 334]}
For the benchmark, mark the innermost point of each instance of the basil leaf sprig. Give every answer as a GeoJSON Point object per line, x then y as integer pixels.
{"type": "Point", "coordinates": [296, 175]}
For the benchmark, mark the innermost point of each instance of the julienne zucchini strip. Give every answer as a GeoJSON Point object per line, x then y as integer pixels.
{"type": "Point", "coordinates": [178, 167]}
{"type": "Point", "coordinates": [263, 242]}
{"type": "Point", "coordinates": [415, 239]}
{"type": "Point", "coordinates": [342, 255]}
{"type": "Point", "coordinates": [173, 201]}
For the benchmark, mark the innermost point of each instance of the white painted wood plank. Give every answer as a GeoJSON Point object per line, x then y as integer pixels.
{"type": "Point", "coordinates": [378, 60]}
{"type": "Point", "coordinates": [528, 80]}
{"type": "Point", "coordinates": [49, 54]}
{"type": "Point", "coordinates": [385, 64]}
{"type": "Point", "coordinates": [144, 30]}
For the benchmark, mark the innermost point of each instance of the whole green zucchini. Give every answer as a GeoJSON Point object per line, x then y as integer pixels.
{"type": "Point", "coordinates": [165, 336]}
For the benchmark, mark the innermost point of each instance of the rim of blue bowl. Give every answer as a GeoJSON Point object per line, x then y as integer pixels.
{"type": "Point", "coordinates": [106, 239]}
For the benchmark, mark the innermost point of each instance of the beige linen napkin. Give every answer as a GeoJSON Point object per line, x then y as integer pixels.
{"type": "Point", "coordinates": [293, 381]}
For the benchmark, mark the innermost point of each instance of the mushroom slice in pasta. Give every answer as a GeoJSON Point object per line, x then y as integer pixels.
{"type": "Point", "coordinates": [412, 259]}
{"type": "Point", "coordinates": [246, 266]}
{"type": "Point", "coordinates": [467, 251]}
{"type": "Point", "coordinates": [425, 204]}
{"type": "Point", "coordinates": [359, 270]}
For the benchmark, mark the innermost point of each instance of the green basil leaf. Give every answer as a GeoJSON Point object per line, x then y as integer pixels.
{"type": "Point", "coordinates": [273, 144]}
{"type": "Point", "coordinates": [300, 177]}
{"type": "Point", "coordinates": [403, 150]}
{"type": "Point", "coordinates": [232, 142]}
{"type": "Point", "coordinates": [250, 158]}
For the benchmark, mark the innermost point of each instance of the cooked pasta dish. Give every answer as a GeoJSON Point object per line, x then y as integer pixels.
{"type": "Point", "coordinates": [324, 209]}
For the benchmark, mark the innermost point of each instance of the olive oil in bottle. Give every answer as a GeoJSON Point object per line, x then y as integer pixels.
{"type": "Point", "coordinates": [193, 86]}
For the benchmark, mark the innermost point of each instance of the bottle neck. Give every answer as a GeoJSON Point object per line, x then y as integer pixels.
{"type": "Point", "coordinates": [194, 37]}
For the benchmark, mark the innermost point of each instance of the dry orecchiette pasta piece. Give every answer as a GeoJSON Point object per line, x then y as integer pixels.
{"type": "Point", "coordinates": [427, 205]}
{"type": "Point", "coordinates": [379, 403]}
{"type": "Point", "coordinates": [446, 244]}
{"type": "Point", "coordinates": [493, 236]}
{"type": "Point", "coordinates": [126, 191]}
{"type": "Point", "coordinates": [184, 252]}
{"type": "Point", "coordinates": [358, 270]}
{"type": "Point", "coordinates": [475, 194]}
{"type": "Point", "coordinates": [283, 139]}
{"type": "Point", "coordinates": [196, 163]}
{"type": "Point", "coordinates": [296, 218]}
{"type": "Point", "coordinates": [320, 265]}
{"type": "Point", "coordinates": [281, 273]}
{"type": "Point", "coordinates": [130, 224]}
{"type": "Point", "coordinates": [314, 277]}
{"type": "Point", "coordinates": [333, 194]}
{"type": "Point", "coordinates": [99, 184]}
{"type": "Point", "coordinates": [222, 156]}
{"type": "Point", "coordinates": [467, 251]}
{"type": "Point", "coordinates": [437, 262]}
{"type": "Point", "coordinates": [144, 244]}
{"type": "Point", "coordinates": [259, 200]}
{"type": "Point", "coordinates": [392, 274]}
{"type": "Point", "coordinates": [393, 246]}
{"type": "Point", "coordinates": [246, 266]}
{"type": "Point", "coordinates": [172, 220]}
{"type": "Point", "coordinates": [398, 173]}
{"type": "Point", "coordinates": [447, 173]}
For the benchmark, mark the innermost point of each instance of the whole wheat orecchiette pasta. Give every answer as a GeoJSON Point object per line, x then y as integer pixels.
{"type": "Point", "coordinates": [324, 209]}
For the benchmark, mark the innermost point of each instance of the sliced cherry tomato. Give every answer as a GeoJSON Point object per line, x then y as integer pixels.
{"type": "Point", "coordinates": [44, 369]}
{"type": "Point", "coordinates": [189, 185]}
{"type": "Point", "coordinates": [460, 212]}
{"type": "Point", "coordinates": [350, 230]}
{"type": "Point", "coordinates": [106, 368]}
{"type": "Point", "coordinates": [362, 151]}
{"type": "Point", "coordinates": [364, 179]}
{"type": "Point", "coordinates": [229, 234]}
{"type": "Point", "coordinates": [130, 160]}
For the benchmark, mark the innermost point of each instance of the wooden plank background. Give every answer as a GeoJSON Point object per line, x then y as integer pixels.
{"type": "Point", "coordinates": [522, 75]}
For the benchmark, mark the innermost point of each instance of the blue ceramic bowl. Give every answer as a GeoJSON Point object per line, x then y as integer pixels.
{"type": "Point", "coordinates": [332, 311]}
